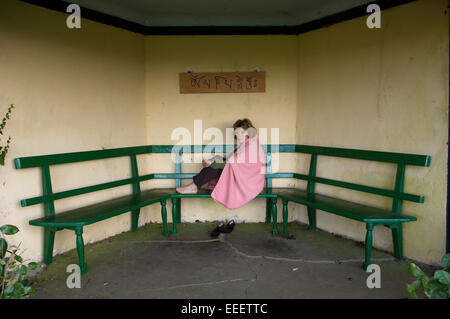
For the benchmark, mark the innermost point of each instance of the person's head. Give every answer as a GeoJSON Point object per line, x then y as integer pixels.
{"type": "Point", "coordinates": [243, 129]}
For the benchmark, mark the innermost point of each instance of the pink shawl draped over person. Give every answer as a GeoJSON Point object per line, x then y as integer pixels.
{"type": "Point", "coordinates": [243, 176]}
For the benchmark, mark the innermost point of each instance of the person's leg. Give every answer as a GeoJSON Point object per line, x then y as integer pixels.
{"type": "Point", "coordinates": [205, 175]}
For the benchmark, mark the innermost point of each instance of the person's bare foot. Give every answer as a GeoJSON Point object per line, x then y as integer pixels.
{"type": "Point", "coordinates": [188, 189]}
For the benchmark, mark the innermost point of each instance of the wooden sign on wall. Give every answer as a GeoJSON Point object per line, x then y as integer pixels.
{"type": "Point", "coordinates": [223, 82]}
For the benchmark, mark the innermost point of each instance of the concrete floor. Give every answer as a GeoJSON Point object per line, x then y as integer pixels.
{"type": "Point", "coordinates": [247, 263]}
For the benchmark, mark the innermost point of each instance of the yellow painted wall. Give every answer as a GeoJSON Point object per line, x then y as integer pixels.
{"type": "Point", "coordinates": [344, 86]}
{"type": "Point", "coordinates": [167, 109]}
{"type": "Point", "coordinates": [381, 89]}
{"type": "Point", "coordinates": [74, 90]}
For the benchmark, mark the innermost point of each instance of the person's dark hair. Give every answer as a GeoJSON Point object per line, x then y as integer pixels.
{"type": "Point", "coordinates": [247, 125]}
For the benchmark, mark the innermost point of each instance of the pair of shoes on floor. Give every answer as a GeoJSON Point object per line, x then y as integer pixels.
{"type": "Point", "coordinates": [223, 228]}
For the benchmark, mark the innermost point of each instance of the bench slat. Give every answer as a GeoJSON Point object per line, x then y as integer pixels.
{"type": "Point", "coordinates": [100, 211]}
{"type": "Point", "coordinates": [73, 157]}
{"type": "Point", "coordinates": [93, 188]}
{"type": "Point", "coordinates": [359, 212]}
{"type": "Point", "coordinates": [74, 192]}
{"type": "Point", "coordinates": [93, 213]}
{"type": "Point", "coordinates": [362, 188]}
{"type": "Point", "coordinates": [390, 157]}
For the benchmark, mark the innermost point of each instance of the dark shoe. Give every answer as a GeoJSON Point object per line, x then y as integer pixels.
{"type": "Point", "coordinates": [229, 227]}
{"type": "Point", "coordinates": [219, 229]}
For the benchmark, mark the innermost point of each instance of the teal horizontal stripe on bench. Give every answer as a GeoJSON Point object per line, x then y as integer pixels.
{"type": "Point", "coordinates": [203, 193]}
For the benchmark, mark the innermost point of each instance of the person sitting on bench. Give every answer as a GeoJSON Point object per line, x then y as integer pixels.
{"type": "Point", "coordinates": [208, 173]}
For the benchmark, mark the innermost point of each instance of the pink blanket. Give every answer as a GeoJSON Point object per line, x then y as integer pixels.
{"type": "Point", "coordinates": [242, 178]}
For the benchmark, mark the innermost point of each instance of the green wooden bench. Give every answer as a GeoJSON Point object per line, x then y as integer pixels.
{"type": "Point", "coordinates": [76, 219]}
{"type": "Point", "coordinates": [372, 216]}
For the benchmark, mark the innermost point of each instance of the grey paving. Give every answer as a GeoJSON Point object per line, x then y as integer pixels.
{"type": "Point", "coordinates": [247, 263]}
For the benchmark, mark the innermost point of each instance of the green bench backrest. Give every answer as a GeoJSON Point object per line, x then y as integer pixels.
{"type": "Point", "coordinates": [401, 159]}
{"type": "Point", "coordinates": [48, 198]}
{"type": "Point", "coordinates": [46, 161]}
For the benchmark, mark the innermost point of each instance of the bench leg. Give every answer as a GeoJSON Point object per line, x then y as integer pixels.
{"type": "Point", "coordinates": [174, 215]}
{"type": "Point", "coordinates": [274, 216]}
{"type": "Point", "coordinates": [312, 218]}
{"type": "Point", "coordinates": [49, 240]}
{"type": "Point", "coordinates": [369, 228]}
{"type": "Point", "coordinates": [285, 217]}
{"type": "Point", "coordinates": [397, 239]}
{"type": "Point", "coordinates": [164, 218]}
{"type": "Point", "coordinates": [80, 249]}
{"type": "Point", "coordinates": [178, 219]}
{"type": "Point", "coordinates": [268, 210]}
{"type": "Point", "coordinates": [135, 219]}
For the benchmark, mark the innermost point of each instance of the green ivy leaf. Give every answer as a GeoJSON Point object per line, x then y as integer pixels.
{"type": "Point", "coordinates": [443, 277]}
{"type": "Point", "coordinates": [28, 290]}
{"type": "Point", "coordinates": [3, 247]}
{"type": "Point", "coordinates": [436, 290]}
{"type": "Point", "coordinates": [8, 290]}
{"type": "Point", "coordinates": [33, 265]}
{"type": "Point", "coordinates": [439, 294]}
{"type": "Point", "coordinates": [425, 281]}
{"type": "Point", "coordinates": [414, 287]}
{"type": "Point", "coordinates": [9, 229]}
{"type": "Point", "coordinates": [23, 270]}
{"type": "Point", "coordinates": [18, 258]}
{"type": "Point", "coordinates": [19, 288]}
{"type": "Point", "coordinates": [446, 261]}
{"type": "Point", "coordinates": [416, 271]}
